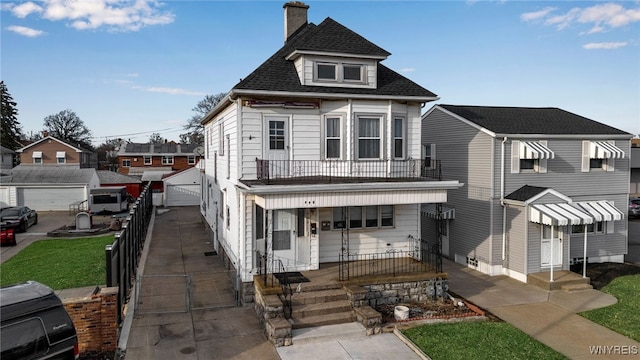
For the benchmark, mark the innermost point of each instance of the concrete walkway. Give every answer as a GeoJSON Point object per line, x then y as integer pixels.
{"type": "Point", "coordinates": [548, 316]}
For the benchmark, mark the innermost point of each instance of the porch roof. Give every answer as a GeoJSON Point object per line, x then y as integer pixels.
{"type": "Point", "coordinates": [581, 213]}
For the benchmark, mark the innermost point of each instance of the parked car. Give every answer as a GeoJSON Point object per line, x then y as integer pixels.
{"type": "Point", "coordinates": [35, 324]}
{"type": "Point", "coordinates": [634, 208]}
{"type": "Point", "coordinates": [18, 218]}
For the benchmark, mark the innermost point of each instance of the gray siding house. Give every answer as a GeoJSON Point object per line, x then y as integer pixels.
{"type": "Point", "coordinates": [543, 187]}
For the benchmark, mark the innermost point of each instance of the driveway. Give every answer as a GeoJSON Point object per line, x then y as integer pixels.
{"type": "Point", "coordinates": [47, 222]}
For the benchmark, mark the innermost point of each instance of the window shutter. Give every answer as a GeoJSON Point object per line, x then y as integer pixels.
{"type": "Point", "coordinates": [586, 156]}
{"type": "Point", "coordinates": [611, 162]}
{"type": "Point", "coordinates": [515, 156]}
{"type": "Point", "coordinates": [542, 163]}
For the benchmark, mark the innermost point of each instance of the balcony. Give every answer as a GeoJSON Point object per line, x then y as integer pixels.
{"type": "Point", "coordinates": [275, 172]}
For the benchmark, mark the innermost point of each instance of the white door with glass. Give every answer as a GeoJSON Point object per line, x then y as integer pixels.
{"type": "Point", "coordinates": [277, 146]}
{"type": "Point", "coordinates": [284, 222]}
{"type": "Point", "coordinates": [551, 246]}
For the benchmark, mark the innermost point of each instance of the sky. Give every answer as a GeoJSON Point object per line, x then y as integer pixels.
{"type": "Point", "coordinates": [132, 68]}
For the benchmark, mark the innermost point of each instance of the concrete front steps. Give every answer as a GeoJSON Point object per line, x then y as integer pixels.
{"type": "Point", "coordinates": [313, 308]}
{"type": "Point", "coordinates": [562, 280]}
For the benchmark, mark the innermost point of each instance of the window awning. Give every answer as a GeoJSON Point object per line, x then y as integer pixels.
{"type": "Point", "coordinates": [601, 210]}
{"type": "Point", "coordinates": [605, 150]}
{"type": "Point", "coordinates": [60, 154]}
{"type": "Point", "coordinates": [447, 212]}
{"type": "Point", "coordinates": [535, 150]}
{"type": "Point", "coordinates": [36, 154]}
{"type": "Point", "coordinates": [558, 214]}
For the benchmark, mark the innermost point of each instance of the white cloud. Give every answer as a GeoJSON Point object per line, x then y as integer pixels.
{"type": "Point", "coordinates": [170, 91]}
{"type": "Point", "coordinates": [407, 69]}
{"type": "Point", "coordinates": [601, 17]}
{"type": "Point", "coordinates": [113, 15]}
{"type": "Point", "coordinates": [25, 31]}
{"type": "Point", "coordinates": [25, 9]}
{"type": "Point", "coordinates": [604, 45]}
{"type": "Point", "coordinates": [537, 14]}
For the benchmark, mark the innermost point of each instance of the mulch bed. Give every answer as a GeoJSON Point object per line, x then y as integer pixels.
{"type": "Point", "coordinates": [440, 309]}
{"type": "Point", "coordinates": [602, 274]}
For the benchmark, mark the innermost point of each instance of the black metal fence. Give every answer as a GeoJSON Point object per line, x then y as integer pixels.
{"type": "Point", "coordinates": [424, 257]}
{"type": "Point", "coordinates": [123, 256]}
{"type": "Point", "coordinates": [328, 171]}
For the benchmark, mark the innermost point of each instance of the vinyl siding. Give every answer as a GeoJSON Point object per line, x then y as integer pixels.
{"type": "Point", "coordinates": [465, 156]}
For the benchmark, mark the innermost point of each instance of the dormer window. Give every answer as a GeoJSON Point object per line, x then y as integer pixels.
{"type": "Point", "coordinates": [339, 72]}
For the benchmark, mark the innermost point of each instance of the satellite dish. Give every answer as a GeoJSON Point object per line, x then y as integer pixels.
{"type": "Point", "coordinates": [199, 151]}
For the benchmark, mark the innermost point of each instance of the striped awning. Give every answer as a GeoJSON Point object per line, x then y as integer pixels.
{"type": "Point", "coordinates": [605, 150]}
{"type": "Point", "coordinates": [601, 210]}
{"type": "Point", "coordinates": [558, 214]}
{"type": "Point", "coordinates": [535, 150]}
{"type": "Point", "coordinates": [580, 213]}
{"type": "Point", "coordinates": [447, 212]}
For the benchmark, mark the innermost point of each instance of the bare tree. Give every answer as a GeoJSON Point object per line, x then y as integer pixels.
{"type": "Point", "coordinates": [194, 128]}
{"type": "Point", "coordinates": [68, 127]}
{"type": "Point", "coordinates": [156, 138]}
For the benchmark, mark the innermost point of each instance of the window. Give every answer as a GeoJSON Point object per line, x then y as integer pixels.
{"type": "Point", "coordinates": [276, 135]}
{"type": "Point", "coordinates": [369, 141]}
{"type": "Point", "coordinates": [167, 160]}
{"type": "Point", "coordinates": [37, 157]}
{"type": "Point", "coordinates": [600, 155]}
{"type": "Point", "coordinates": [259, 222]}
{"type": "Point", "coordinates": [61, 157]}
{"type": "Point", "coordinates": [221, 204]}
{"type": "Point", "coordinates": [339, 72]}
{"type": "Point", "coordinates": [528, 164]}
{"type": "Point", "coordinates": [398, 138]}
{"type": "Point", "coordinates": [333, 139]}
{"type": "Point", "coordinates": [148, 160]}
{"type": "Point", "coordinates": [596, 228]}
{"type": "Point", "coordinates": [228, 210]}
{"type": "Point", "coordinates": [360, 217]}
{"type": "Point", "coordinates": [221, 139]}
{"type": "Point", "coordinates": [126, 162]}
{"type": "Point", "coordinates": [599, 164]}
{"type": "Point", "coordinates": [191, 159]}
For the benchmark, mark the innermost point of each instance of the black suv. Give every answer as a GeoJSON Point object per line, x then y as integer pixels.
{"type": "Point", "coordinates": [35, 324]}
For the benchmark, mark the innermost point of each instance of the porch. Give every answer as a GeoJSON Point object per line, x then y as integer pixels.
{"type": "Point", "coordinates": [562, 280]}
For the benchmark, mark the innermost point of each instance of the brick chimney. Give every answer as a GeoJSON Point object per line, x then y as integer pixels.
{"type": "Point", "coordinates": [295, 16]}
{"type": "Point", "coordinates": [45, 133]}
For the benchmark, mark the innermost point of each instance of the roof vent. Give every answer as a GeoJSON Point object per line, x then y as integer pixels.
{"type": "Point", "coordinates": [295, 16]}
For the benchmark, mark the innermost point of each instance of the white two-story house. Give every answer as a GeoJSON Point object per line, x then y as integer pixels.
{"type": "Point", "coordinates": [543, 187]}
{"type": "Point", "coordinates": [317, 154]}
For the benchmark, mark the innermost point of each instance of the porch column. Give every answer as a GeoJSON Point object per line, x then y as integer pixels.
{"type": "Point", "coordinates": [584, 256]}
{"type": "Point", "coordinates": [551, 260]}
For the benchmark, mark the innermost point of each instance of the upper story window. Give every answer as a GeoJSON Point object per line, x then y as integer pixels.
{"type": "Point", "coordinates": [61, 157]}
{"type": "Point", "coordinates": [191, 159]}
{"type": "Point", "coordinates": [600, 155]}
{"type": "Point", "coordinates": [221, 139]}
{"type": "Point", "coordinates": [126, 162]}
{"type": "Point", "coordinates": [333, 137]}
{"type": "Point", "coordinates": [167, 160]}
{"type": "Point", "coordinates": [37, 157]}
{"type": "Point", "coordinates": [148, 160]}
{"type": "Point", "coordinates": [530, 156]}
{"type": "Point", "coordinates": [398, 138]}
{"type": "Point", "coordinates": [339, 72]}
{"type": "Point", "coordinates": [369, 137]}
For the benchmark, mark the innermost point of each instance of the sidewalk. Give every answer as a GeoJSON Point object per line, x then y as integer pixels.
{"type": "Point", "coordinates": [548, 316]}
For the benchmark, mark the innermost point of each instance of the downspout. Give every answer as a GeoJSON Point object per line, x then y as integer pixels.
{"type": "Point", "coordinates": [504, 207]}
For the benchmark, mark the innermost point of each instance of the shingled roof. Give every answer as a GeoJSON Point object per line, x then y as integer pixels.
{"type": "Point", "coordinates": [525, 120]}
{"type": "Point", "coordinates": [278, 74]}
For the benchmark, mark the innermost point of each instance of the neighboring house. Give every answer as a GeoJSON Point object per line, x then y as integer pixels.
{"type": "Point", "coordinates": [50, 151]}
{"type": "Point", "coordinates": [316, 155]}
{"type": "Point", "coordinates": [634, 186]}
{"type": "Point", "coordinates": [542, 186]}
{"type": "Point", "coordinates": [47, 188]}
{"type": "Point", "coordinates": [114, 179]}
{"type": "Point", "coordinates": [182, 188]}
{"type": "Point", "coordinates": [6, 158]}
{"type": "Point", "coordinates": [135, 158]}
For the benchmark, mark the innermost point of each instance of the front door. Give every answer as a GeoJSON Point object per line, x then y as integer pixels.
{"type": "Point", "coordinates": [551, 247]}
{"type": "Point", "coordinates": [303, 238]}
{"type": "Point", "coordinates": [277, 146]}
{"type": "Point", "coordinates": [283, 236]}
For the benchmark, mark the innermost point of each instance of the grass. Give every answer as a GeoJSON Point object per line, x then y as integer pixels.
{"type": "Point", "coordinates": [478, 340]}
{"type": "Point", "coordinates": [59, 263]}
{"type": "Point", "coordinates": [621, 317]}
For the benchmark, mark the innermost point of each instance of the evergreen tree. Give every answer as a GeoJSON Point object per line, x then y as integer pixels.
{"type": "Point", "coordinates": [11, 130]}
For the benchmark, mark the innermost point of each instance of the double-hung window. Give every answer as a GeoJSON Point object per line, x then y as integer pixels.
{"type": "Point", "coordinates": [147, 160]}
{"type": "Point", "coordinates": [126, 162]}
{"type": "Point", "coordinates": [333, 137]}
{"type": "Point", "coordinates": [61, 157]}
{"type": "Point", "coordinates": [191, 159]}
{"type": "Point", "coordinates": [167, 160]}
{"type": "Point", "coordinates": [398, 138]}
{"type": "Point", "coordinates": [369, 137]}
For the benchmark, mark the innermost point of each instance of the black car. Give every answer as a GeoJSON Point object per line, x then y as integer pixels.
{"type": "Point", "coordinates": [18, 217]}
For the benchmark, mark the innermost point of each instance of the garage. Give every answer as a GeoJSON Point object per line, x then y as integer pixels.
{"type": "Point", "coordinates": [47, 198]}
{"type": "Point", "coordinates": [182, 188]}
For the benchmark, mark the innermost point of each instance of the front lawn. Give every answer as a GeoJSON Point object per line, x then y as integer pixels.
{"type": "Point", "coordinates": [478, 340]}
{"type": "Point", "coordinates": [624, 316]}
{"type": "Point", "coordinates": [59, 263]}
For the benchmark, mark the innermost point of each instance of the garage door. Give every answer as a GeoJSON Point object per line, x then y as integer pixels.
{"type": "Point", "coordinates": [47, 199]}
{"type": "Point", "coordinates": [182, 195]}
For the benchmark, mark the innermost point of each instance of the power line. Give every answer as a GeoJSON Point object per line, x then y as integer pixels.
{"type": "Point", "coordinates": [137, 133]}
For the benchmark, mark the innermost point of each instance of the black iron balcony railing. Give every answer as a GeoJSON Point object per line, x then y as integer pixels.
{"type": "Point", "coordinates": [337, 171]}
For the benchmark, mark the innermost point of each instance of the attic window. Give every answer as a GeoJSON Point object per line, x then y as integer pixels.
{"type": "Point", "coordinates": [61, 157]}
{"type": "Point", "coordinates": [37, 157]}
{"type": "Point", "coordinates": [339, 72]}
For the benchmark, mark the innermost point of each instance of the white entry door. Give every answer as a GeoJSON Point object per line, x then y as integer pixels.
{"type": "Point", "coordinates": [277, 146]}
{"type": "Point", "coordinates": [283, 237]}
{"type": "Point", "coordinates": [551, 246]}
